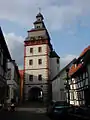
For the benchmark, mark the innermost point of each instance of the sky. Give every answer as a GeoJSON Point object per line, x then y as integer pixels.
{"type": "Point", "coordinates": [67, 21]}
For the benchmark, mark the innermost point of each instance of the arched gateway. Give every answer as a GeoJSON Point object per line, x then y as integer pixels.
{"type": "Point", "coordinates": [35, 94]}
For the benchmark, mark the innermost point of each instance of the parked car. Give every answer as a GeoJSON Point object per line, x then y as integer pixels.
{"type": "Point", "coordinates": [57, 109]}
{"type": "Point", "coordinates": [60, 110]}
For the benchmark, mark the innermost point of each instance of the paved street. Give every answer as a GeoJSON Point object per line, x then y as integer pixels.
{"type": "Point", "coordinates": [22, 116]}
{"type": "Point", "coordinates": [26, 111]}
{"type": "Point", "coordinates": [32, 110]}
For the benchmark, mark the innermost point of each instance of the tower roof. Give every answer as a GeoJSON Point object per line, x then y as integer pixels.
{"type": "Point", "coordinates": [39, 15]}
{"type": "Point", "coordinates": [54, 54]}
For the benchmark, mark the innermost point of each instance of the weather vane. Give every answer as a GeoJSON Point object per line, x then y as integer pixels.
{"type": "Point", "coordinates": [39, 9]}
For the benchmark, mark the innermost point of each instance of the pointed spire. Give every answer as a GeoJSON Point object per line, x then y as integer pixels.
{"type": "Point", "coordinates": [39, 15]}
{"type": "Point", "coordinates": [39, 10]}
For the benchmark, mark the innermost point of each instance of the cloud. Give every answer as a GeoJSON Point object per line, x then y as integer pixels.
{"type": "Point", "coordinates": [58, 13]}
{"type": "Point", "coordinates": [16, 47]}
{"type": "Point", "coordinates": [64, 60]}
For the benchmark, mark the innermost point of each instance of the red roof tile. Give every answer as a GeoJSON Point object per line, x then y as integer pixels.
{"type": "Point", "coordinates": [74, 69]}
{"type": "Point", "coordinates": [84, 51]}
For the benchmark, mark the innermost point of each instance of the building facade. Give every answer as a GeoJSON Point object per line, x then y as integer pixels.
{"type": "Point", "coordinates": [80, 80]}
{"type": "Point", "coordinates": [59, 92]}
{"type": "Point", "coordinates": [4, 56]}
{"type": "Point", "coordinates": [13, 79]}
{"type": "Point", "coordinates": [21, 72]}
{"type": "Point", "coordinates": [37, 62]}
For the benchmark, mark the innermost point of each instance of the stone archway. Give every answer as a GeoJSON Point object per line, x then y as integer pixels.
{"type": "Point", "coordinates": [35, 94]}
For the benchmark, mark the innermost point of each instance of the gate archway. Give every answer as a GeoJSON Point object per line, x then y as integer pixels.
{"type": "Point", "coordinates": [35, 94]}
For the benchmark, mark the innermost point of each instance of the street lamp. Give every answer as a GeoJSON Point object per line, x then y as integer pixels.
{"type": "Point", "coordinates": [67, 78]}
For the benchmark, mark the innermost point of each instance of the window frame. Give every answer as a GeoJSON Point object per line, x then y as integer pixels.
{"type": "Point", "coordinates": [40, 77]}
{"type": "Point", "coordinates": [30, 62]}
{"type": "Point", "coordinates": [39, 61]}
{"type": "Point", "coordinates": [30, 76]}
{"type": "Point", "coordinates": [31, 50]}
{"type": "Point", "coordinates": [39, 49]}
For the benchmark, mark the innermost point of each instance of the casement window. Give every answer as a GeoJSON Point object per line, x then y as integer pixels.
{"type": "Point", "coordinates": [30, 62]}
{"type": "Point", "coordinates": [39, 49]}
{"type": "Point", "coordinates": [40, 77]}
{"type": "Point", "coordinates": [39, 61]}
{"type": "Point", "coordinates": [30, 77]}
{"type": "Point", "coordinates": [31, 50]}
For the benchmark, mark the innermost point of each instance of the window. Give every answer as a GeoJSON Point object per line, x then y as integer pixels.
{"type": "Point", "coordinates": [30, 62]}
{"type": "Point", "coordinates": [72, 95]}
{"type": "Point", "coordinates": [31, 50]}
{"type": "Point", "coordinates": [39, 49]}
{"type": "Point", "coordinates": [57, 61]}
{"type": "Point", "coordinates": [40, 61]}
{"type": "Point", "coordinates": [30, 77]}
{"type": "Point", "coordinates": [8, 74]}
{"type": "Point", "coordinates": [38, 26]}
{"type": "Point", "coordinates": [39, 77]}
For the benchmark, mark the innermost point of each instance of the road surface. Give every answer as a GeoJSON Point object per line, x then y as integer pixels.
{"type": "Point", "coordinates": [22, 115]}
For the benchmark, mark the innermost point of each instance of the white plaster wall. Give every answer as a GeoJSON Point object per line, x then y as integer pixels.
{"type": "Point", "coordinates": [35, 64]}
{"type": "Point", "coordinates": [11, 82]}
{"type": "Point", "coordinates": [57, 94]}
{"type": "Point", "coordinates": [36, 69]}
{"type": "Point", "coordinates": [35, 74]}
{"type": "Point", "coordinates": [54, 68]}
{"type": "Point", "coordinates": [37, 33]}
{"type": "Point", "coordinates": [35, 50]}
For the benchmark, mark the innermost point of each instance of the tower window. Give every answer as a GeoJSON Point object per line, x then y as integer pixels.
{"type": "Point", "coordinates": [30, 77]}
{"type": "Point", "coordinates": [39, 61]}
{"type": "Point", "coordinates": [57, 61]}
{"type": "Point", "coordinates": [38, 26]}
{"type": "Point", "coordinates": [39, 49]}
{"type": "Point", "coordinates": [30, 62]}
{"type": "Point", "coordinates": [39, 77]}
{"type": "Point", "coordinates": [31, 50]}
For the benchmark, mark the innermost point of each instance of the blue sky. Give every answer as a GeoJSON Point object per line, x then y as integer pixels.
{"type": "Point", "coordinates": [67, 22]}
